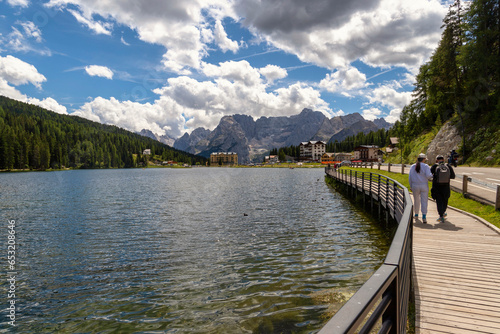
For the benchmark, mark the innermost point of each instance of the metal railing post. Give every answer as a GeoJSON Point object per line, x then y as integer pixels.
{"type": "Point", "coordinates": [497, 202]}
{"type": "Point", "coordinates": [465, 179]}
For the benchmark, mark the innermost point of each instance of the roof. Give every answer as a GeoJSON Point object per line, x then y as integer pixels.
{"type": "Point", "coordinates": [313, 142]}
{"type": "Point", "coordinates": [366, 146]}
{"type": "Point", "coordinates": [394, 140]}
{"type": "Point", "coordinates": [224, 153]}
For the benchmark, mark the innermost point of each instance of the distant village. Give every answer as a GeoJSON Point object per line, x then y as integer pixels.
{"type": "Point", "coordinates": [314, 152]}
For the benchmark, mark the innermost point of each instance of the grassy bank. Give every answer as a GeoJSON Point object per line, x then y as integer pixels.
{"type": "Point", "coordinates": [457, 200]}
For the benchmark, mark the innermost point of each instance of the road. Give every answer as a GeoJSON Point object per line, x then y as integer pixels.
{"type": "Point", "coordinates": [482, 175]}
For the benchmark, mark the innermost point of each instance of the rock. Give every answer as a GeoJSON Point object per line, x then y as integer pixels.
{"type": "Point", "coordinates": [447, 139]}
{"type": "Point", "coordinates": [252, 139]}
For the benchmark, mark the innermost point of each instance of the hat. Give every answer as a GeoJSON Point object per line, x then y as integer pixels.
{"type": "Point", "coordinates": [439, 157]}
{"type": "Point", "coordinates": [422, 156]}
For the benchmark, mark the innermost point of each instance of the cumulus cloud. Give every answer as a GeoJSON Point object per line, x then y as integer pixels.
{"type": "Point", "coordinates": [330, 34]}
{"type": "Point", "coordinates": [222, 40]}
{"type": "Point", "coordinates": [161, 117]}
{"type": "Point", "coordinates": [240, 71]}
{"type": "Point", "coordinates": [99, 71]}
{"type": "Point", "coordinates": [388, 96]}
{"type": "Point", "coordinates": [177, 25]}
{"type": "Point", "coordinates": [14, 71]}
{"type": "Point", "coordinates": [18, 72]}
{"type": "Point", "coordinates": [273, 72]}
{"type": "Point", "coordinates": [186, 103]}
{"type": "Point", "coordinates": [333, 34]}
{"type": "Point", "coordinates": [344, 80]}
{"type": "Point", "coordinates": [371, 114]}
{"type": "Point", "coordinates": [48, 103]}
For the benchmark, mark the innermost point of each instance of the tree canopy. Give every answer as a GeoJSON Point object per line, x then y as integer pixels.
{"type": "Point", "coordinates": [34, 138]}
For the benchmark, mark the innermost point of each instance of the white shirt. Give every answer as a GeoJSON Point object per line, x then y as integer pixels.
{"type": "Point", "coordinates": [421, 178]}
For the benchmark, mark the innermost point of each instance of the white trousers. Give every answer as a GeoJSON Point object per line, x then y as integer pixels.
{"type": "Point", "coordinates": [420, 198]}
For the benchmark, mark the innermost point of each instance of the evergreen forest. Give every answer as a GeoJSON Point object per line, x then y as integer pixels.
{"type": "Point", "coordinates": [37, 139]}
{"type": "Point", "coordinates": [459, 84]}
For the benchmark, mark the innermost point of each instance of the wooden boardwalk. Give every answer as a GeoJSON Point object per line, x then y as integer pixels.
{"type": "Point", "coordinates": [456, 274]}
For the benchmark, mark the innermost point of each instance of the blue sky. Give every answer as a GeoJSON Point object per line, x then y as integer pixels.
{"type": "Point", "coordinates": [173, 66]}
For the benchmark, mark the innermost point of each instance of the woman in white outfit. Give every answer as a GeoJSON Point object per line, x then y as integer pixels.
{"type": "Point", "coordinates": [420, 175]}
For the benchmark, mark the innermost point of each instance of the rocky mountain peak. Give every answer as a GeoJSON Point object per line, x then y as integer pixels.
{"type": "Point", "coordinates": [252, 139]}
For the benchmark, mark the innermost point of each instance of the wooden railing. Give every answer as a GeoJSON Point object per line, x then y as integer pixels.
{"type": "Point", "coordinates": [384, 298]}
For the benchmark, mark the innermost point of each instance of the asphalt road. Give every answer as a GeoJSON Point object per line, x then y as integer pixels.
{"type": "Point", "coordinates": [482, 175]}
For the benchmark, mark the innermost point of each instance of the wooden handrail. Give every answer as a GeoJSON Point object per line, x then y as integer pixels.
{"type": "Point", "coordinates": [390, 285]}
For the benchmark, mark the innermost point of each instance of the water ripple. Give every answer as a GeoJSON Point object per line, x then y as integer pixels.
{"type": "Point", "coordinates": [177, 251]}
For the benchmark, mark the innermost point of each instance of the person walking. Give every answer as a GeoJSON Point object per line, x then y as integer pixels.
{"type": "Point", "coordinates": [442, 174]}
{"type": "Point", "coordinates": [419, 177]}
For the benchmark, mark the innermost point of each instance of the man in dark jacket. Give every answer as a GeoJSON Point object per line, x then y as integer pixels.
{"type": "Point", "coordinates": [440, 191]}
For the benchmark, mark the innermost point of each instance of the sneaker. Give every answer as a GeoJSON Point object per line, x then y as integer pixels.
{"type": "Point", "coordinates": [424, 219]}
{"type": "Point", "coordinates": [445, 214]}
{"type": "Point", "coordinates": [416, 215]}
{"type": "Point", "coordinates": [440, 220]}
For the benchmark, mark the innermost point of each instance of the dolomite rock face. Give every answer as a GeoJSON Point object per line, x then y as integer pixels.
{"type": "Point", "coordinates": [447, 139]}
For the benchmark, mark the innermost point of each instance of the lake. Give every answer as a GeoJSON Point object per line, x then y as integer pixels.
{"type": "Point", "coordinates": [200, 250]}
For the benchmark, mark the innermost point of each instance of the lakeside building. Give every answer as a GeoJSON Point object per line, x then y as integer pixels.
{"type": "Point", "coordinates": [368, 153]}
{"type": "Point", "coordinates": [393, 145]}
{"type": "Point", "coordinates": [223, 158]}
{"type": "Point", "coordinates": [330, 158]}
{"type": "Point", "coordinates": [271, 159]}
{"type": "Point", "coordinates": [312, 150]}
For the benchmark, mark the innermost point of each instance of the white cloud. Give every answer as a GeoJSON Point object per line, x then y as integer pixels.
{"type": "Point", "coordinates": [48, 103]}
{"type": "Point", "coordinates": [344, 80]}
{"type": "Point", "coordinates": [222, 40]}
{"type": "Point", "coordinates": [20, 40]}
{"type": "Point", "coordinates": [18, 72]}
{"type": "Point", "coordinates": [177, 25]}
{"type": "Point", "coordinates": [124, 42]}
{"type": "Point", "coordinates": [330, 34]}
{"type": "Point", "coordinates": [9, 91]}
{"type": "Point", "coordinates": [87, 20]}
{"type": "Point", "coordinates": [388, 96]}
{"type": "Point", "coordinates": [99, 71]}
{"type": "Point", "coordinates": [393, 116]}
{"type": "Point", "coordinates": [164, 115]}
{"type": "Point", "coordinates": [240, 71]}
{"type": "Point", "coordinates": [371, 114]}
{"type": "Point", "coordinates": [185, 103]}
{"type": "Point", "coordinates": [333, 34]}
{"type": "Point", "coordinates": [20, 3]}
{"type": "Point", "coordinates": [31, 30]}
{"type": "Point", "coordinates": [273, 72]}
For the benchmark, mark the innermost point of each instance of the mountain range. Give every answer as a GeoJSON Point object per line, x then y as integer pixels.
{"type": "Point", "coordinates": [252, 139]}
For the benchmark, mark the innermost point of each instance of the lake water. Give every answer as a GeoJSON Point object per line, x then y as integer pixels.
{"type": "Point", "coordinates": [201, 250]}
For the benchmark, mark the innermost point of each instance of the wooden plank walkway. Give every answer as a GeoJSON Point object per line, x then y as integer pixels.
{"type": "Point", "coordinates": [456, 274]}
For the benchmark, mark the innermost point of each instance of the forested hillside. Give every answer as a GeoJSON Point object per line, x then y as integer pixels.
{"type": "Point", "coordinates": [34, 138]}
{"type": "Point", "coordinates": [461, 83]}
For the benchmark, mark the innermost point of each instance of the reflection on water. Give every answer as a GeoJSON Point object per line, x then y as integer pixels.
{"type": "Point", "coordinates": [184, 250]}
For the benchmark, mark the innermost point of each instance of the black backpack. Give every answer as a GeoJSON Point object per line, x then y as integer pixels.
{"type": "Point", "coordinates": [442, 174]}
